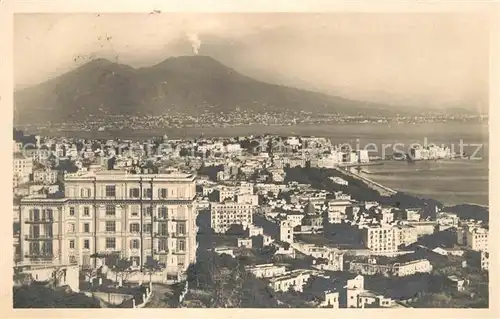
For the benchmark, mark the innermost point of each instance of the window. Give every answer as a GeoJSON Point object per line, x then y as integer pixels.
{"type": "Point", "coordinates": [148, 192]}
{"type": "Point", "coordinates": [71, 211]}
{"type": "Point", "coordinates": [162, 245]}
{"type": "Point", "coordinates": [134, 244]}
{"type": "Point", "coordinates": [86, 244]}
{"type": "Point", "coordinates": [71, 228]}
{"type": "Point", "coordinates": [110, 210]}
{"type": "Point", "coordinates": [135, 228]}
{"type": "Point", "coordinates": [181, 260]}
{"type": "Point", "coordinates": [181, 245]}
{"type": "Point", "coordinates": [86, 211]}
{"type": "Point", "coordinates": [110, 243]}
{"type": "Point", "coordinates": [134, 193]}
{"type": "Point", "coordinates": [147, 228]}
{"type": "Point", "coordinates": [162, 212]}
{"type": "Point", "coordinates": [36, 214]}
{"type": "Point", "coordinates": [163, 192]}
{"type": "Point", "coordinates": [48, 230]}
{"type": "Point", "coordinates": [162, 229]}
{"type": "Point", "coordinates": [181, 228]}
{"type": "Point", "coordinates": [110, 226]}
{"type": "Point", "coordinates": [85, 192]}
{"type": "Point", "coordinates": [72, 244]}
{"type": "Point", "coordinates": [110, 191]}
{"type": "Point", "coordinates": [86, 228]}
{"type": "Point", "coordinates": [147, 211]}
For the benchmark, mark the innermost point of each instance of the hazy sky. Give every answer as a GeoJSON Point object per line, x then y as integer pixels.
{"type": "Point", "coordinates": [427, 58]}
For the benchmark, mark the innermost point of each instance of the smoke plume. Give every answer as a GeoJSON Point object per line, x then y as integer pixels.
{"type": "Point", "coordinates": [195, 42]}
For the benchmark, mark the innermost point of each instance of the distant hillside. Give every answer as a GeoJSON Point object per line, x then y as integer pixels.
{"type": "Point", "coordinates": [188, 84]}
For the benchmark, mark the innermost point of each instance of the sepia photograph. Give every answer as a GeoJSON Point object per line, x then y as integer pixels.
{"type": "Point", "coordinates": [251, 160]}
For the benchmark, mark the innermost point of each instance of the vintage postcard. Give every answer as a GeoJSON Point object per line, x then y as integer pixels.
{"type": "Point", "coordinates": [231, 158]}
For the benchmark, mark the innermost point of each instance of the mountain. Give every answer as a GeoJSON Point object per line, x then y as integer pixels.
{"type": "Point", "coordinates": [186, 84]}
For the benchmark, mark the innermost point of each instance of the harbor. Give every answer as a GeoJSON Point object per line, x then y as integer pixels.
{"type": "Point", "coordinates": [383, 190]}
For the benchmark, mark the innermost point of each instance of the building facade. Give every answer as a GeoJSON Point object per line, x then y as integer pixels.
{"type": "Point", "coordinates": [381, 239]}
{"type": "Point", "coordinates": [223, 215]}
{"type": "Point", "coordinates": [103, 213]}
{"type": "Point", "coordinates": [266, 270]}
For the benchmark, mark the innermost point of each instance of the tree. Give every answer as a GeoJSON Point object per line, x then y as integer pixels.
{"type": "Point", "coordinates": [151, 266]}
{"type": "Point", "coordinates": [121, 268]}
{"type": "Point", "coordinates": [89, 272]}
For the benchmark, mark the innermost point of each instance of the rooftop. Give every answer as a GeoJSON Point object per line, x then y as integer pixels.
{"type": "Point", "coordinates": [124, 175]}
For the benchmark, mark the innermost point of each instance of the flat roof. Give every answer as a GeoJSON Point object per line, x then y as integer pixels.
{"type": "Point", "coordinates": [123, 175]}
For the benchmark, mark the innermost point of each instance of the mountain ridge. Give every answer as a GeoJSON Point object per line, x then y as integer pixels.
{"type": "Point", "coordinates": [184, 84]}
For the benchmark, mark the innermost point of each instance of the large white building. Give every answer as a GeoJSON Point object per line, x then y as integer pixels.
{"type": "Point", "coordinates": [381, 239]}
{"type": "Point", "coordinates": [113, 212]}
{"type": "Point", "coordinates": [266, 270]}
{"type": "Point", "coordinates": [396, 269]}
{"type": "Point", "coordinates": [45, 176]}
{"type": "Point", "coordinates": [474, 238]}
{"type": "Point", "coordinates": [23, 168]}
{"type": "Point", "coordinates": [223, 215]}
{"type": "Point", "coordinates": [295, 279]}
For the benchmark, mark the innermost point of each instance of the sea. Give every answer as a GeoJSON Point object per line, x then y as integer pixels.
{"type": "Point", "coordinates": [452, 182]}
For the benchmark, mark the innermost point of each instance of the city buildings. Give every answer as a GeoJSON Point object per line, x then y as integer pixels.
{"type": "Point", "coordinates": [266, 270]}
{"type": "Point", "coordinates": [381, 239]}
{"type": "Point", "coordinates": [294, 280]}
{"type": "Point", "coordinates": [475, 238]}
{"type": "Point", "coordinates": [113, 212]}
{"type": "Point", "coordinates": [22, 169]}
{"type": "Point", "coordinates": [223, 215]}
{"type": "Point", "coordinates": [395, 269]}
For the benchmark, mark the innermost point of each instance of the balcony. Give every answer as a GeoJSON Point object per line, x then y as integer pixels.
{"type": "Point", "coordinates": [39, 256]}
{"type": "Point", "coordinates": [160, 252]}
{"type": "Point", "coordinates": [38, 237]}
{"type": "Point", "coordinates": [39, 221]}
{"type": "Point", "coordinates": [177, 235]}
{"type": "Point", "coordinates": [178, 218]}
{"type": "Point", "coordinates": [161, 235]}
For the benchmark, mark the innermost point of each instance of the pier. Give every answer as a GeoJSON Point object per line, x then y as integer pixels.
{"type": "Point", "coordinates": [383, 190]}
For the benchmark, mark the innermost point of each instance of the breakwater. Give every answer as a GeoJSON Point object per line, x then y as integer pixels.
{"type": "Point", "coordinates": [383, 190]}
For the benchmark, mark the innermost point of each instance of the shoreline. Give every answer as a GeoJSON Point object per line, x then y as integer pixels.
{"type": "Point", "coordinates": [387, 191]}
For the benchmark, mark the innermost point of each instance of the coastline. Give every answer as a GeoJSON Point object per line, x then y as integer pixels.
{"type": "Point", "coordinates": [464, 210]}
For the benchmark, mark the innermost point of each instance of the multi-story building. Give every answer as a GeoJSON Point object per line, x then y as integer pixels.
{"type": "Point", "coordinates": [45, 176]}
{"type": "Point", "coordinates": [248, 199]}
{"type": "Point", "coordinates": [112, 212]}
{"type": "Point", "coordinates": [295, 280]}
{"type": "Point", "coordinates": [407, 235]}
{"type": "Point", "coordinates": [295, 218]}
{"type": "Point", "coordinates": [223, 215]}
{"type": "Point", "coordinates": [17, 146]}
{"type": "Point", "coordinates": [266, 270]}
{"type": "Point", "coordinates": [381, 239]}
{"type": "Point", "coordinates": [337, 210]}
{"type": "Point", "coordinates": [23, 168]}
{"type": "Point", "coordinates": [396, 269]}
{"type": "Point", "coordinates": [285, 231]}
{"type": "Point", "coordinates": [223, 193]}
{"type": "Point", "coordinates": [476, 238]}
{"type": "Point", "coordinates": [447, 220]}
